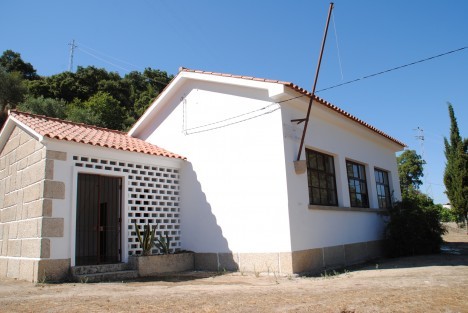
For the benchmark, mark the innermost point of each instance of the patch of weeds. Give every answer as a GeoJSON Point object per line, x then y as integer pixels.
{"type": "Point", "coordinates": [333, 273]}
{"type": "Point", "coordinates": [43, 279]}
{"type": "Point", "coordinates": [345, 310]}
{"type": "Point", "coordinates": [276, 274]}
{"type": "Point", "coordinates": [257, 273]}
{"type": "Point", "coordinates": [84, 279]}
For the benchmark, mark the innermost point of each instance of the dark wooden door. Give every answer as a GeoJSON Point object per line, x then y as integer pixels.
{"type": "Point", "coordinates": [98, 219]}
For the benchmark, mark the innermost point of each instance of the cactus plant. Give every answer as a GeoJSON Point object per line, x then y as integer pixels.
{"type": "Point", "coordinates": [147, 241]}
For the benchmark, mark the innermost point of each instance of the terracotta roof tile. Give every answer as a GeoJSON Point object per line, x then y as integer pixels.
{"type": "Point", "coordinates": [305, 93]}
{"type": "Point", "coordinates": [64, 130]}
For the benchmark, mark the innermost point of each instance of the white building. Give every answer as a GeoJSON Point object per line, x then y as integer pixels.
{"type": "Point", "coordinates": [237, 200]}
{"type": "Point", "coordinates": [242, 203]}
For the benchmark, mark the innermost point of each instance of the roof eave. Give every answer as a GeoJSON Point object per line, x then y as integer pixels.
{"type": "Point", "coordinates": [8, 127]}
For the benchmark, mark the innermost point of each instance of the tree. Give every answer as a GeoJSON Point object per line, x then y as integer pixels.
{"type": "Point", "coordinates": [410, 170]}
{"type": "Point", "coordinates": [12, 62]}
{"type": "Point", "coordinates": [101, 110]}
{"type": "Point", "coordinates": [81, 95]}
{"type": "Point", "coordinates": [12, 91]}
{"type": "Point", "coordinates": [456, 168]}
{"type": "Point", "coordinates": [44, 106]}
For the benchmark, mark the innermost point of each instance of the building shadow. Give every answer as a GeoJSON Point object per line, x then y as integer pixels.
{"type": "Point", "coordinates": [200, 231]}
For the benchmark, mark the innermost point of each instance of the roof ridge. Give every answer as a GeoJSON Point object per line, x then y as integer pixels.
{"type": "Point", "coordinates": [268, 80]}
{"type": "Point", "coordinates": [14, 111]}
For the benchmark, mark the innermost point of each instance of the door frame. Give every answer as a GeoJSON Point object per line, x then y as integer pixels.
{"type": "Point", "coordinates": [123, 210]}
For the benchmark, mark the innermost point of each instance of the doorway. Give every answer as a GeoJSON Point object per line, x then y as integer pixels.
{"type": "Point", "coordinates": [98, 219]}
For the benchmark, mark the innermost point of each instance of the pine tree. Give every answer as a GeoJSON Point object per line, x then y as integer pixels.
{"type": "Point", "coordinates": [456, 168]}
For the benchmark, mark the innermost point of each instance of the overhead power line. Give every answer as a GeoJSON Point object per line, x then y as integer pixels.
{"type": "Point", "coordinates": [103, 60]}
{"type": "Point", "coordinates": [394, 69]}
{"type": "Point", "coordinates": [109, 56]}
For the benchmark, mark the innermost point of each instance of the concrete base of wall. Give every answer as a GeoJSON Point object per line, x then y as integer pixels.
{"type": "Point", "coordinates": [35, 270]}
{"type": "Point", "coordinates": [304, 261]}
{"type": "Point", "coordinates": [160, 264]}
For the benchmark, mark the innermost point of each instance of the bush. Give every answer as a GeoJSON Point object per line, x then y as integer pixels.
{"type": "Point", "coordinates": [446, 215]}
{"type": "Point", "coordinates": [414, 226]}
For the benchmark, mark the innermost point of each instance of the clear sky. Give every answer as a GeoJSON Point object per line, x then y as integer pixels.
{"type": "Point", "coordinates": [278, 40]}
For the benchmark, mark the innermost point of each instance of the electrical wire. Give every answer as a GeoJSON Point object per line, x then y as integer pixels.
{"type": "Point", "coordinates": [337, 46]}
{"type": "Point", "coordinates": [230, 118]}
{"type": "Point", "coordinates": [101, 59]}
{"type": "Point", "coordinates": [393, 69]}
{"type": "Point", "coordinates": [349, 82]}
{"type": "Point", "coordinates": [232, 123]}
{"type": "Point", "coordinates": [115, 65]}
{"type": "Point", "coordinates": [109, 56]}
{"type": "Point", "coordinates": [240, 115]}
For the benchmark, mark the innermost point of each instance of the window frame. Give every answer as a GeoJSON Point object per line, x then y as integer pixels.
{"type": "Point", "coordinates": [328, 172]}
{"type": "Point", "coordinates": [361, 179]}
{"type": "Point", "coordinates": [387, 196]}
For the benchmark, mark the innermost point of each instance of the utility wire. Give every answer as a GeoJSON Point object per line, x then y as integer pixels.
{"type": "Point", "coordinates": [115, 65]}
{"type": "Point", "coordinates": [337, 47]}
{"type": "Point", "coordinates": [349, 82]}
{"type": "Point", "coordinates": [230, 118]}
{"type": "Point", "coordinates": [109, 56]}
{"type": "Point", "coordinates": [240, 115]}
{"type": "Point", "coordinates": [232, 123]}
{"type": "Point", "coordinates": [103, 60]}
{"type": "Point", "coordinates": [393, 69]}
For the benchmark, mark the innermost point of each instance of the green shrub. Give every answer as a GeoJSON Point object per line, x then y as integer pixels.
{"type": "Point", "coordinates": [446, 215]}
{"type": "Point", "coordinates": [414, 226]}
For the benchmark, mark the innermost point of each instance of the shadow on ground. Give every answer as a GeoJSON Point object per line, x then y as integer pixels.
{"type": "Point", "coordinates": [179, 277]}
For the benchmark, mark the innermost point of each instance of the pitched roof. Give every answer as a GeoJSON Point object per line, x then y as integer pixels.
{"type": "Point", "coordinates": [76, 132]}
{"type": "Point", "coordinates": [305, 93]}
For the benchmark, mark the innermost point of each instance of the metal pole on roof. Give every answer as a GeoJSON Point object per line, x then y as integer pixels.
{"type": "Point", "coordinates": [306, 120]}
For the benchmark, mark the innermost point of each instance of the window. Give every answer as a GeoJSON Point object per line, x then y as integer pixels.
{"type": "Point", "coordinates": [357, 185]}
{"type": "Point", "coordinates": [321, 177]}
{"type": "Point", "coordinates": [383, 189]}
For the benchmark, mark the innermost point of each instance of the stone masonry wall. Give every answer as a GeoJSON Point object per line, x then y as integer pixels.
{"type": "Point", "coordinates": [27, 190]}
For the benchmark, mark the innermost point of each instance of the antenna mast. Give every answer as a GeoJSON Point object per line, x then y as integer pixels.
{"type": "Point", "coordinates": [306, 120]}
{"type": "Point", "coordinates": [72, 51]}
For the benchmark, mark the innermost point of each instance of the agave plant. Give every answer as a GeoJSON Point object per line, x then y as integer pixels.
{"type": "Point", "coordinates": [147, 241]}
{"type": "Point", "coordinates": [164, 244]}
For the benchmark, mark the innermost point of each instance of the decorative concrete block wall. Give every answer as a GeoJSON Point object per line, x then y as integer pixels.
{"type": "Point", "coordinates": [27, 191]}
{"type": "Point", "coordinates": [152, 197]}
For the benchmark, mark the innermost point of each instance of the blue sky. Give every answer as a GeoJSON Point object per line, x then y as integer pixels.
{"type": "Point", "coordinates": [278, 40]}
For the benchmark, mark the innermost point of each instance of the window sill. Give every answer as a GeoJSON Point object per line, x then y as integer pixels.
{"type": "Point", "coordinates": [343, 209]}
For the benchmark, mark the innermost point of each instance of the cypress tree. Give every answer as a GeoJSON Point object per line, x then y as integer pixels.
{"type": "Point", "coordinates": [456, 169]}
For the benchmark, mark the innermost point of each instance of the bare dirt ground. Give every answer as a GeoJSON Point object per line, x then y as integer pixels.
{"type": "Point", "coordinates": [432, 283]}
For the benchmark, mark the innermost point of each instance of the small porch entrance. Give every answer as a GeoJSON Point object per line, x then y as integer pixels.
{"type": "Point", "coordinates": [98, 219]}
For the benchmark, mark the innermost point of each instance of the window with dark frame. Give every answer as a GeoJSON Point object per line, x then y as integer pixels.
{"type": "Point", "coordinates": [383, 189]}
{"type": "Point", "coordinates": [357, 185]}
{"type": "Point", "coordinates": [321, 178]}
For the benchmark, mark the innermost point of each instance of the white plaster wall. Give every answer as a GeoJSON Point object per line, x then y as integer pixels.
{"type": "Point", "coordinates": [335, 135]}
{"type": "Point", "coordinates": [65, 171]}
{"type": "Point", "coordinates": [233, 188]}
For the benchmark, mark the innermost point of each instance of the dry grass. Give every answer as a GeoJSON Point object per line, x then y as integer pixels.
{"type": "Point", "coordinates": [434, 283]}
